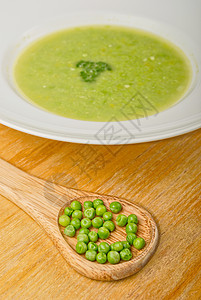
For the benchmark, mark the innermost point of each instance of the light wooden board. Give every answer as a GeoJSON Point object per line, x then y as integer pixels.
{"type": "Point", "coordinates": [162, 176]}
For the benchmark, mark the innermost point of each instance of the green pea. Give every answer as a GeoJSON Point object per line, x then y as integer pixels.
{"type": "Point", "coordinates": [109, 225]}
{"type": "Point", "coordinates": [103, 233]}
{"type": "Point", "coordinates": [68, 211]}
{"type": "Point", "coordinates": [88, 204]}
{"type": "Point", "coordinates": [104, 247]}
{"type": "Point", "coordinates": [107, 216]}
{"type": "Point", "coordinates": [82, 237]}
{"type": "Point", "coordinates": [101, 258]}
{"type": "Point", "coordinates": [97, 202]}
{"type": "Point", "coordinates": [69, 230]}
{"type": "Point", "coordinates": [90, 213]}
{"type": "Point", "coordinates": [113, 257]}
{"type": "Point", "coordinates": [139, 243]}
{"type": "Point", "coordinates": [126, 254]}
{"type": "Point", "coordinates": [93, 236]}
{"type": "Point", "coordinates": [64, 220]}
{"type": "Point", "coordinates": [97, 222]}
{"type": "Point", "coordinates": [131, 237]}
{"type": "Point", "coordinates": [112, 246]}
{"type": "Point", "coordinates": [81, 247]}
{"type": "Point", "coordinates": [100, 210]}
{"type": "Point", "coordinates": [118, 246]}
{"type": "Point", "coordinates": [91, 255]}
{"type": "Point", "coordinates": [126, 245]}
{"type": "Point", "coordinates": [76, 205]}
{"type": "Point", "coordinates": [77, 214]}
{"type": "Point", "coordinates": [131, 228]}
{"type": "Point", "coordinates": [86, 223]}
{"type": "Point", "coordinates": [76, 223]}
{"type": "Point", "coordinates": [92, 246]}
{"type": "Point", "coordinates": [115, 207]}
{"type": "Point", "coordinates": [132, 219]}
{"type": "Point", "coordinates": [84, 230]}
{"type": "Point", "coordinates": [121, 220]}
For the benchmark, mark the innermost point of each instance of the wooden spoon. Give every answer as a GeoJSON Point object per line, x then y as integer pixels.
{"type": "Point", "coordinates": [45, 202]}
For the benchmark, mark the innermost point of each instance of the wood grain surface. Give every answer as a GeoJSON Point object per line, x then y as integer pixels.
{"type": "Point", "coordinates": [162, 176]}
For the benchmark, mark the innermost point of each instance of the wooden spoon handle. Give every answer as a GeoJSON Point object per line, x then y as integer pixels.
{"type": "Point", "coordinates": [40, 199]}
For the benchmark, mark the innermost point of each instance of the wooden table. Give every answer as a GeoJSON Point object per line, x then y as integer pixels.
{"type": "Point", "coordinates": [162, 176]}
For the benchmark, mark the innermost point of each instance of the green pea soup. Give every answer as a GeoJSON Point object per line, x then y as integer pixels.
{"type": "Point", "coordinates": [97, 73]}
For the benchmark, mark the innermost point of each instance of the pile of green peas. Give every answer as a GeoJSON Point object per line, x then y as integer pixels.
{"type": "Point", "coordinates": [95, 214]}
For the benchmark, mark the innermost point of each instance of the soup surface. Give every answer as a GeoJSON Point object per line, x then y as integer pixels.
{"type": "Point", "coordinates": [101, 73]}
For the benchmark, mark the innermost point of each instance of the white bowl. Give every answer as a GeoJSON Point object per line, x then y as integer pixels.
{"type": "Point", "coordinates": [23, 21]}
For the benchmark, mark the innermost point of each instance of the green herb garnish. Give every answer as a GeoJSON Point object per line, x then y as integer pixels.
{"type": "Point", "coordinates": [92, 69]}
